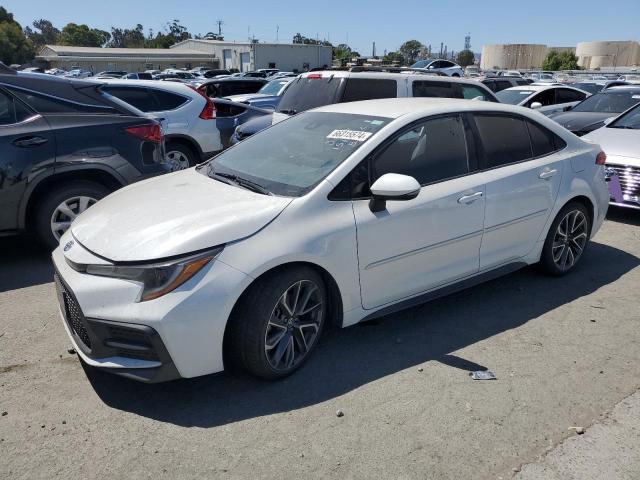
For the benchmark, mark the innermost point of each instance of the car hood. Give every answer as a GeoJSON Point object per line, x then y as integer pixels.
{"type": "Point", "coordinates": [580, 121]}
{"type": "Point", "coordinates": [172, 215]}
{"type": "Point", "coordinates": [618, 142]}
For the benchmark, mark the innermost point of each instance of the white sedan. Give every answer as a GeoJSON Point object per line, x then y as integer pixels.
{"type": "Point", "coordinates": [336, 215]}
{"type": "Point", "coordinates": [547, 99]}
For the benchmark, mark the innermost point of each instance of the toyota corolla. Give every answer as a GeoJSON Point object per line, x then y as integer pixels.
{"type": "Point", "coordinates": [336, 215]}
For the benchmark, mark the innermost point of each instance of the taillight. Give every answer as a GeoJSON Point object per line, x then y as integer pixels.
{"type": "Point", "coordinates": [209, 110]}
{"type": "Point", "coordinates": [314, 76]}
{"type": "Point", "coordinates": [601, 158]}
{"type": "Point", "coordinates": [150, 132]}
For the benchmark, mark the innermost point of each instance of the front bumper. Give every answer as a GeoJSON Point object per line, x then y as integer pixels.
{"type": "Point", "coordinates": [126, 349]}
{"type": "Point", "coordinates": [178, 335]}
{"type": "Point", "coordinates": [624, 185]}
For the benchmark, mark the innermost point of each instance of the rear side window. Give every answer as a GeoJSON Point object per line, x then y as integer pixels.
{"type": "Point", "coordinates": [505, 139]}
{"type": "Point", "coordinates": [307, 93]}
{"type": "Point", "coordinates": [137, 97]}
{"type": "Point", "coordinates": [226, 110]}
{"type": "Point", "coordinates": [12, 111]}
{"type": "Point", "coordinates": [434, 89]}
{"type": "Point", "coordinates": [49, 105]}
{"type": "Point", "coordinates": [503, 84]}
{"type": "Point", "coordinates": [168, 100]}
{"type": "Point", "coordinates": [369, 89]}
{"type": "Point", "coordinates": [543, 141]}
{"type": "Point", "coordinates": [432, 151]}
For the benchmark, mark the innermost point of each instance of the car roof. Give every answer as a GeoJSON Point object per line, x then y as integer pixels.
{"type": "Point", "coordinates": [408, 75]}
{"type": "Point", "coordinates": [398, 107]}
{"type": "Point", "coordinates": [178, 87]}
{"type": "Point", "coordinates": [624, 88]}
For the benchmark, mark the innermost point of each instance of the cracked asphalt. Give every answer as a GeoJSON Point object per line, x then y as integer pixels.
{"type": "Point", "coordinates": [565, 352]}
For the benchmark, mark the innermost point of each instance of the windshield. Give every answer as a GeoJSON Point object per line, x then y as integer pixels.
{"type": "Point", "coordinates": [306, 93]}
{"type": "Point", "coordinates": [630, 120]}
{"type": "Point", "coordinates": [609, 102]}
{"type": "Point", "coordinates": [273, 87]}
{"type": "Point", "coordinates": [514, 97]}
{"type": "Point", "coordinates": [293, 156]}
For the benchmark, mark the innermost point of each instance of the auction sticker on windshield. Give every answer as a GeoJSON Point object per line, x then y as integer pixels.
{"type": "Point", "coordinates": [357, 135]}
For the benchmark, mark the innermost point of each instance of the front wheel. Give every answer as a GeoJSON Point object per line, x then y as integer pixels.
{"type": "Point", "coordinates": [567, 239]}
{"type": "Point", "coordinates": [278, 323]}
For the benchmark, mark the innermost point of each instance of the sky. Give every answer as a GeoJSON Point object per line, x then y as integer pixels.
{"type": "Point", "coordinates": [359, 23]}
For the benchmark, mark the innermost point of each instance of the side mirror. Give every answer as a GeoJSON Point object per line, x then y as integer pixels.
{"type": "Point", "coordinates": [536, 105]}
{"type": "Point", "coordinates": [392, 186]}
{"type": "Point", "coordinates": [607, 121]}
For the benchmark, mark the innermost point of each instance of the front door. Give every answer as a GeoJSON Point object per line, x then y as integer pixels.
{"type": "Point", "coordinates": [416, 245]}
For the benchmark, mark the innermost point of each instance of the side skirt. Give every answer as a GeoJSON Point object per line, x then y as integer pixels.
{"type": "Point", "coordinates": [446, 290]}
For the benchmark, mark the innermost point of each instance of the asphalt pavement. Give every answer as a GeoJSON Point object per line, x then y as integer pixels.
{"type": "Point", "coordinates": [565, 352]}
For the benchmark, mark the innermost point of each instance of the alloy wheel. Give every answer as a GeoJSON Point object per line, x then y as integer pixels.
{"type": "Point", "coordinates": [570, 239]}
{"type": "Point", "coordinates": [294, 325]}
{"type": "Point", "coordinates": [178, 160]}
{"type": "Point", "coordinates": [66, 212]}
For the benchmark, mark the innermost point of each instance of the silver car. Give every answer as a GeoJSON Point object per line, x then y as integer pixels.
{"type": "Point", "coordinates": [443, 66]}
{"type": "Point", "coordinates": [620, 139]}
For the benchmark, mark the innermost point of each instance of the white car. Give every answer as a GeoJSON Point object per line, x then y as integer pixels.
{"type": "Point", "coordinates": [621, 140]}
{"type": "Point", "coordinates": [546, 99]}
{"type": "Point", "coordinates": [336, 215]}
{"type": "Point", "coordinates": [188, 117]}
{"type": "Point", "coordinates": [437, 65]}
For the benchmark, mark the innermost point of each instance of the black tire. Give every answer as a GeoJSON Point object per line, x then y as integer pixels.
{"type": "Point", "coordinates": [246, 335]}
{"type": "Point", "coordinates": [47, 206]}
{"type": "Point", "coordinates": [548, 263]}
{"type": "Point", "coordinates": [183, 149]}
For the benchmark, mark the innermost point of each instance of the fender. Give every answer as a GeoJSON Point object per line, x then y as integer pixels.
{"type": "Point", "coordinates": [61, 171]}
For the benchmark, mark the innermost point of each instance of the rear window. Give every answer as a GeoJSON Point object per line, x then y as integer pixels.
{"type": "Point", "coordinates": [434, 89]}
{"type": "Point", "coordinates": [369, 89]}
{"type": "Point", "coordinates": [49, 105]}
{"type": "Point", "coordinates": [307, 93]}
{"type": "Point", "coordinates": [505, 139]}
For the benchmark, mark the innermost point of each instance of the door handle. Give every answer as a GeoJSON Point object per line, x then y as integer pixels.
{"type": "Point", "coordinates": [547, 174]}
{"type": "Point", "coordinates": [469, 199]}
{"type": "Point", "coordinates": [26, 142]}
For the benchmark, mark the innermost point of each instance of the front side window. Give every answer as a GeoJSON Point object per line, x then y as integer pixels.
{"type": "Point", "coordinates": [433, 89]}
{"type": "Point", "coordinates": [368, 89]}
{"type": "Point", "coordinates": [293, 156]}
{"type": "Point", "coordinates": [504, 139]}
{"type": "Point", "coordinates": [564, 95]}
{"type": "Point", "coordinates": [432, 151]}
{"type": "Point", "coordinates": [546, 98]}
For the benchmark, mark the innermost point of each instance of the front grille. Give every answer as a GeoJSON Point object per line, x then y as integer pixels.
{"type": "Point", "coordinates": [72, 312]}
{"type": "Point", "coordinates": [629, 180]}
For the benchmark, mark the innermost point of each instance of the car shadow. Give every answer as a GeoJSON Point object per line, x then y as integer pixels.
{"type": "Point", "coordinates": [350, 358]}
{"type": "Point", "coordinates": [629, 216]}
{"type": "Point", "coordinates": [23, 263]}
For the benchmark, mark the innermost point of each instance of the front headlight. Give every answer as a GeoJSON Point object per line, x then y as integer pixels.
{"type": "Point", "coordinates": [160, 278]}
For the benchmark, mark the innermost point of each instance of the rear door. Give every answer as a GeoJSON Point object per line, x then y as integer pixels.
{"type": "Point", "coordinates": [27, 148]}
{"type": "Point", "coordinates": [522, 175]}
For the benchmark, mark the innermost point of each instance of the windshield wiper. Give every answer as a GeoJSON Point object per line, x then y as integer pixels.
{"type": "Point", "coordinates": [288, 111]}
{"type": "Point", "coordinates": [239, 181]}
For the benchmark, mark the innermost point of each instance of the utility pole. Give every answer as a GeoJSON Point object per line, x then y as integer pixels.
{"type": "Point", "coordinates": [277, 33]}
{"type": "Point", "coordinates": [220, 23]}
{"type": "Point", "coordinates": [373, 53]}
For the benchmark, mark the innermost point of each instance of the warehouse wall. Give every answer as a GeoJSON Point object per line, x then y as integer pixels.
{"type": "Point", "coordinates": [513, 56]}
{"type": "Point", "coordinates": [291, 57]}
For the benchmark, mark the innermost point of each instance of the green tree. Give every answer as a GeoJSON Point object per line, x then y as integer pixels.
{"type": "Point", "coordinates": [393, 57]}
{"type": "Point", "coordinates": [560, 61]}
{"type": "Point", "coordinates": [127, 37]}
{"type": "Point", "coordinates": [173, 33]}
{"type": "Point", "coordinates": [342, 52]}
{"type": "Point", "coordinates": [15, 47]}
{"type": "Point", "coordinates": [410, 51]}
{"type": "Point", "coordinates": [465, 58]}
{"type": "Point", "coordinates": [82, 36]}
{"type": "Point", "coordinates": [44, 34]}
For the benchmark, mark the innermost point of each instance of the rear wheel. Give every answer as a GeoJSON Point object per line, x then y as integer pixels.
{"type": "Point", "coordinates": [180, 156]}
{"type": "Point", "coordinates": [567, 239]}
{"type": "Point", "coordinates": [278, 323]}
{"type": "Point", "coordinates": [59, 208]}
